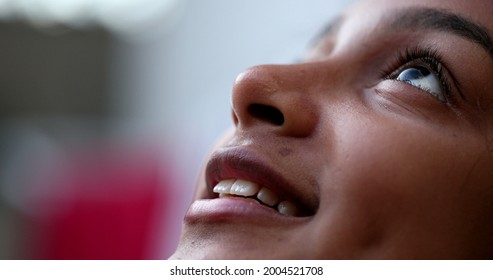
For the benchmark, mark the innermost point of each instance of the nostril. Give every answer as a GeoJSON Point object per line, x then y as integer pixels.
{"type": "Point", "coordinates": [266, 113]}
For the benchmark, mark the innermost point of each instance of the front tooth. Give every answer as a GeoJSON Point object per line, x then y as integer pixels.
{"type": "Point", "coordinates": [244, 188]}
{"type": "Point", "coordinates": [267, 197]}
{"type": "Point", "coordinates": [287, 208]}
{"type": "Point", "coordinates": [224, 186]}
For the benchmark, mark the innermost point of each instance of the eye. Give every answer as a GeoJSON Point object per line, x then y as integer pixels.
{"type": "Point", "coordinates": [424, 79]}
{"type": "Point", "coordinates": [422, 68]}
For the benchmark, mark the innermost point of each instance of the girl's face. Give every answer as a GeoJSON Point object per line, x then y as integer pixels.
{"type": "Point", "coordinates": [379, 144]}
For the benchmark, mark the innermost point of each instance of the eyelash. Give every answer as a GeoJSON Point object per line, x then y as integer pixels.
{"type": "Point", "coordinates": [428, 57]}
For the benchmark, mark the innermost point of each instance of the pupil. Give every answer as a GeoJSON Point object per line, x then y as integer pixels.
{"type": "Point", "coordinates": [414, 73]}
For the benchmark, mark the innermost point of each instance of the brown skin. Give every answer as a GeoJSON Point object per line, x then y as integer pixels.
{"type": "Point", "coordinates": [394, 172]}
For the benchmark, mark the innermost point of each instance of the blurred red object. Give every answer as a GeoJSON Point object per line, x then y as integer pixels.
{"type": "Point", "coordinates": [105, 204]}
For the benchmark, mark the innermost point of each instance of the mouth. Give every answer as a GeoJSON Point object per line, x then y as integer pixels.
{"type": "Point", "coordinates": [249, 190]}
{"type": "Point", "coordinates": [242, 175]}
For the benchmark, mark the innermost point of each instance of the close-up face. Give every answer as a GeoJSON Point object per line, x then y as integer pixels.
{"type": "Point", "coordinates": [377, 145]}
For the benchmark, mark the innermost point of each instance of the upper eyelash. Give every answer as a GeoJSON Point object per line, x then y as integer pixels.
{"type": "Point", "coordinates": [428, 56]}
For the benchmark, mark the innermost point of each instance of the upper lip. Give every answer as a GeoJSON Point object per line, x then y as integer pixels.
{"type": "Point", "coordinates": [237, 163]}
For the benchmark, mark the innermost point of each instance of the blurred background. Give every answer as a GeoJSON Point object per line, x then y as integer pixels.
{"type": "Point", "coordinates": [108, 108]}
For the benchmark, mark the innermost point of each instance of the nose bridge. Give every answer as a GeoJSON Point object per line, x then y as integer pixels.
{"type": "Point", "coordinates": [278, 96]}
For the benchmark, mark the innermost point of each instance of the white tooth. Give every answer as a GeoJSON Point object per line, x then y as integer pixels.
{"type": "Point", "coordinates": [244, 188]}
{"type": "Point", "coordinates": [287, 208]}
{"type": "Point", "coordinates": [268, 197]}
{"type": "Point", "coordinates": [224, 186]}
{"type": "Point", "coordinates": [222, 195]}
{"type": "Point", "coordinates": [252, 200]}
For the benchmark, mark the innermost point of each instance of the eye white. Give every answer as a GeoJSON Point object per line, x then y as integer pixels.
{"type": "Point", "coordinates": [424, 79]}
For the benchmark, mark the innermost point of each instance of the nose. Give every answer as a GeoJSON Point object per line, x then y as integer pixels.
{"type": "Point", "coordinates": [276, 97]}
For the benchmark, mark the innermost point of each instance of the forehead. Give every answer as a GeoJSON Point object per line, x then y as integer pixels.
{"type": "Point", "coordinates": [468, 19]}
{"type": "Point", "coordinates": [479, 10]}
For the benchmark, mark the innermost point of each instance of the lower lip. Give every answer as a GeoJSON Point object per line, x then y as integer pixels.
{"type": "Point", "coordinates": [236, 210]}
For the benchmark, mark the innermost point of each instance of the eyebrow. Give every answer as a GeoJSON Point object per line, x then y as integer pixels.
{"type": "Point", "coordinates": [442, 20]}
{"type": "Point", "coordinates": [421, 18]}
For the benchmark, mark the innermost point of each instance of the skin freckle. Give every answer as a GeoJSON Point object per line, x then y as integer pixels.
{"type": "Point", "coordinates": [284, 152]}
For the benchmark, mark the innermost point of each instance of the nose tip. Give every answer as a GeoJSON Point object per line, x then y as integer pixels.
{"type": "Point", "coordinates": [272, 96]}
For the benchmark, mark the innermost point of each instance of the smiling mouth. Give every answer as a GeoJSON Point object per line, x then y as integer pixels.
{"type": "Point", "coordinates": [238, 178]}
{"type": "Point", "coordinates": [254, 192]}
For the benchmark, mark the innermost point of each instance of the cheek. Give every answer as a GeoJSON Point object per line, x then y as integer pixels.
{"type": "Point", "coordinates": [385, 164]}
{"type": "Point", "coordinates": [389, 157]}
{"type": "Point", "coordinates": [388, 175]}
